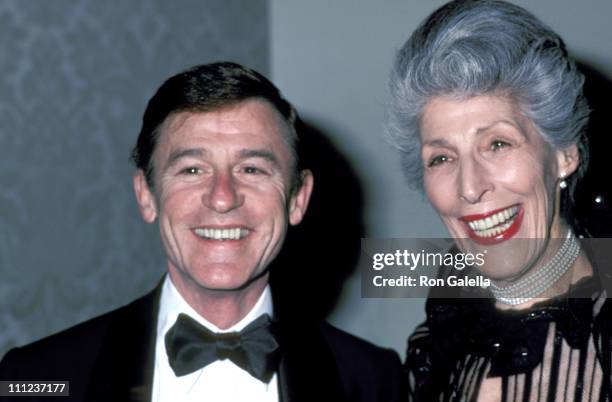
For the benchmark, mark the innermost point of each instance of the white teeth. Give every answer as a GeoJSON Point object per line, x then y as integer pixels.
{"type": "Point", "coordinates": [222, 234]}
{"type": "Point", "coordinates": [495, 224]}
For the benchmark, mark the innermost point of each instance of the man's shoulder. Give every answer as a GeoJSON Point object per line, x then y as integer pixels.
{"type": "Point", "coordinates": [70, 350]}
{"type": "Point", "coordinates": [61, 345]}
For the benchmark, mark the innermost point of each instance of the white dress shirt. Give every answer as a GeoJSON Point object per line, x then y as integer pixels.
{"type": "Point", "coordinates": [218, 381]}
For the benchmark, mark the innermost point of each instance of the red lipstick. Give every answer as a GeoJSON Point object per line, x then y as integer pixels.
{"type": "Point", "coordinates": [505, 235]}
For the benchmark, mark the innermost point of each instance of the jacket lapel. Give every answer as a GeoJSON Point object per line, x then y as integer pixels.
{"type": "Point", "coordinates": [124, 368]}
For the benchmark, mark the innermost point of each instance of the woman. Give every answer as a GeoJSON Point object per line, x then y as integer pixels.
{"type": "Point", "coordinates": [489, 114]}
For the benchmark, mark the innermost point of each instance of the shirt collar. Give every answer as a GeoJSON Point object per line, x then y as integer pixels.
{"type": "Point", "coordinates": [172, 304]}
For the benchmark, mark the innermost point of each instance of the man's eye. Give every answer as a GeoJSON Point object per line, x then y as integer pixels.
{"type": "Point", "coordinates": [190, 170]}
{"type": "Point", "coordinates": [437, 160]}
{"type": "Point", "coordinates": [498, 144]}
{"type": "Point", "coordinates": [252, 170]}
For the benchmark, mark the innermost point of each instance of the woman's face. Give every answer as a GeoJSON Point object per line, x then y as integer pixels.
{"type": "Point", "coordinates": [493, 179]}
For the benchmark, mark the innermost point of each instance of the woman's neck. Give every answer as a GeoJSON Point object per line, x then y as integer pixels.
{"type": "Point", "coordinates": [580, 269]}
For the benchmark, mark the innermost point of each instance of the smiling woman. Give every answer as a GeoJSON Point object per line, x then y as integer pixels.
{"type": "Point", "coordinates": [492, 177]}
{"type": "Point", "coordinates": [488, 112]}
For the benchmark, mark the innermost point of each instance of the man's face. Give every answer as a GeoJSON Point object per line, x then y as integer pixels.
{"type": "Point", "coordinates": [222, 193]}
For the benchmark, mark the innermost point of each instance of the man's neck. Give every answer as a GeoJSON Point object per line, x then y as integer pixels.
{"type": "Point", "coordinates": [222, 308]}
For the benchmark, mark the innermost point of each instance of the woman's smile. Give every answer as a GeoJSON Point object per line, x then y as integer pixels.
{"type": "Point", "coordinates": [495, 226]}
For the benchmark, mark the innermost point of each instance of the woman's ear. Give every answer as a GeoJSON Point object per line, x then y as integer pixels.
{"type": "Point", "coordinates": [568, 160]}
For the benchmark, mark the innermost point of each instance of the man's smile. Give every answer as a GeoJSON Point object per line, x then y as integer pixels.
{"type": "Point", "coordinates": [232, 233]}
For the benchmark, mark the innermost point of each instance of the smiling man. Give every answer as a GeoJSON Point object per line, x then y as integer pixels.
{"type": "Point", "coordinates": [218, 170]}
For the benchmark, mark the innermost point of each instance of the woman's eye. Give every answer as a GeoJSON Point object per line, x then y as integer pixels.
{"type": "Point", "coordinates": [438, 160]}
{"type": "Point", "coordinates": [498, 144]}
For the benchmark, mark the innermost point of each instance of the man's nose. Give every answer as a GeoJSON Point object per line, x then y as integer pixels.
{"type": "Point", "coordinates": [224, 194]}
{"type": "Point", "coordinates": [474, 181]}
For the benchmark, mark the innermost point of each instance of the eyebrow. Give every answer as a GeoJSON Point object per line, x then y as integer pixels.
{"type": "Point", "coordinates": [439, 142]}
{"type": "Point", "coordinates": [443, 143]}
{"type": "Point", "coordinates": [179, 154]}
{"type": "Point", "coordinates": [260, 153]}
{"type": "Point", "coordinates": [495, 123]}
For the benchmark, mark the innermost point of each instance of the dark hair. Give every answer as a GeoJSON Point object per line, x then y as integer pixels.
{"type": "Point", "coordinates": [206, 88]}
{"type": "Point", "coordinates": [473, 47]}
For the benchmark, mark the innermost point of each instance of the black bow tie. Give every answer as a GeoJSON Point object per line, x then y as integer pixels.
{"type": "Point", "coordinates": [190, 346]}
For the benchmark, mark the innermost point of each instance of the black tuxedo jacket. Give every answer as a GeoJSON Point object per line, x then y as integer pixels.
{"type": "Point", "coordinates": [110, 358]}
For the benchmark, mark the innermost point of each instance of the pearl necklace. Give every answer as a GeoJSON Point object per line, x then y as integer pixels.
{"type": "Point", "coordinates": [534, 284]}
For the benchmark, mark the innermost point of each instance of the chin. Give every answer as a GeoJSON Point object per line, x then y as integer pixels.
{"type": "Point", "coordinates": [222, 282]}
{"type": "Point", "coordinates": [227, 282]}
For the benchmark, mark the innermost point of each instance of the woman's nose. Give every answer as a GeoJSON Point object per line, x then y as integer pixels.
{"type": "Point", "coordinates": [474, 182]}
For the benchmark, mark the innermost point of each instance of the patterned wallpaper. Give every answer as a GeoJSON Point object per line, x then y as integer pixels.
{"type": "Point", "coordinates": [75, 76]}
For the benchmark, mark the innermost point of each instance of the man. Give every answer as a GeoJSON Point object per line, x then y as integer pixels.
{"type": "Point", "coordinates": [218, 169]}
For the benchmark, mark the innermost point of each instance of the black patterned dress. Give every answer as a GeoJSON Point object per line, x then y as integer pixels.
{"type": "Point", "coordinates": [558, 350]}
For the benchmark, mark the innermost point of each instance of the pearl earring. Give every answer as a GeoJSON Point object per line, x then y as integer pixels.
{"type": "Point", "coordinates": [563, 183]}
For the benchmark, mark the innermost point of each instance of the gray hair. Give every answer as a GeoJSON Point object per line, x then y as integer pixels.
{"type": "Point", "coordinates": [475, 47]}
